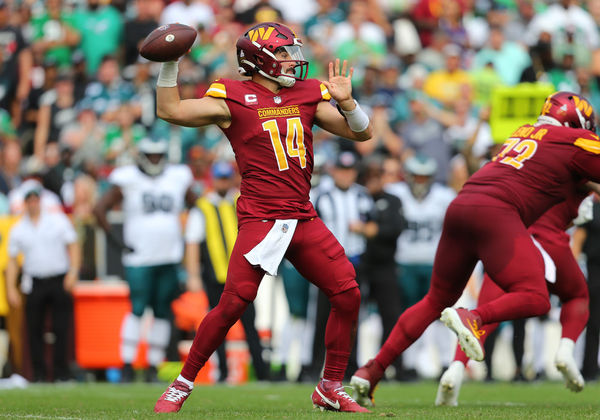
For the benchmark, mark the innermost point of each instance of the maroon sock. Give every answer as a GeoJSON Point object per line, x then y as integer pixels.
{"type": "Point", "coordinates": [340, 333]}
{"type": "Point", "coordinates": [574, 315]}
{"type": "Point", "coordinates": [212, 332]}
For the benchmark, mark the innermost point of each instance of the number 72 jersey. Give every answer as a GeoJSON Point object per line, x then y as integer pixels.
{"type": "Point", "coordinates": [271, 135]}
{"type": "Point", "coordinates": [538, 166]}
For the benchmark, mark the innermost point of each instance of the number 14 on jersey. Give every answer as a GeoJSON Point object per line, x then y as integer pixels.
{"type": "Point", "coordinates": [294, 142]}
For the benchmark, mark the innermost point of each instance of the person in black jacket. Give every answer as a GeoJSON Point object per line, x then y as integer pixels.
{"type": "Point", "coordinates": [378, 267]}
{"type": "Point", "coordinates": [587, 239]}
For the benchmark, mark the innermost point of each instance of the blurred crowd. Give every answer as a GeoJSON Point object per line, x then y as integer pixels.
{"type": "Point", "coordinates": [76, 97]}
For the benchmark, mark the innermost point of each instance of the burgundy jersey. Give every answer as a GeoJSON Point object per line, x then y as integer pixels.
{"type": "Point", "coordinates": [551, 226]}
{"type": "Point", "coordinates": [271, 136]}
{"type": "Point", "coordinates": [538, 167]}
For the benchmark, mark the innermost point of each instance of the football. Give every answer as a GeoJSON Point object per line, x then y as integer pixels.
{"type": "Point", "coordinates": [168, 42]}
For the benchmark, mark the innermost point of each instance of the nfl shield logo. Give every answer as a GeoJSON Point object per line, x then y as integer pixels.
{"type": "Point", "coordinates": [277, 99]}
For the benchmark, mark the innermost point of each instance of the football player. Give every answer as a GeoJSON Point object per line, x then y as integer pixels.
{"type": "Point", "coordinates": [424, 204]}
{"type": "Point", "coordinates": [268, 120]}
{"type": "Point", "coordinates": [153, 194]}
{"type": "Point", "coordinates": [569, 285]}
{"type": "Point", "coordinates": [539, 166]}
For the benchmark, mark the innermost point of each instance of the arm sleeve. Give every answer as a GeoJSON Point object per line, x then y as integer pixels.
{"type": "Point", "coordinates": [118, 177]}
{"type": "Point", "coordinates": [187, 176]}
{"type": "Point", "coordinates": [68, 231]}
{"type": "Point", "coordinates": [587, 164]}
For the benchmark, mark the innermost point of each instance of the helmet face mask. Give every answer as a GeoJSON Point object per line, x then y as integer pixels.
{"type": "Point", "coordinates": [569, 110]}
{"type": "Point", "coordinates": [419, 172]}
{"type": "Point", "coordinates": [267, 49]}
{"type": "Point", "coordinates": [152, 157]}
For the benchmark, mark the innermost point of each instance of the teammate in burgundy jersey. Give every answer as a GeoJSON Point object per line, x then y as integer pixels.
{"type": "Point", "coordinates": [570, 286]}
{"type": "Point", "coordinates": [268, 121]}
{"type": "Point", "coordinates": [540, 166]}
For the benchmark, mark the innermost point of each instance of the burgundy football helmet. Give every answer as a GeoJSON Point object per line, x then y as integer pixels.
{"type": "Point", "coordinates": [256, 53]}
{"type": "Point", "coordinates": [570, 110]}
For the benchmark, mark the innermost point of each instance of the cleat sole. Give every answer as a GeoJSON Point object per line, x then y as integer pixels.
{"type": "Point", "coordinates": [362, 388]}
{"type": "Point", "coordinates": [572, 384]}
{"type": "Point", "coordinates": [467, 341]}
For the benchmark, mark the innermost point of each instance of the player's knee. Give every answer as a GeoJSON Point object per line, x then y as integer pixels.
{"type": "Point", "coordinates": [347, 301]}
{"type": "Point", "coordinates": [539, 303]}
{"type": "Point", "coordinates": [137, 308]}
{"type": "Point", "coordinates": [231, 306]}
{"type": "Point", "coordinates": [161, 310]}
{"type": "Point", "coordinates": [245, 291]}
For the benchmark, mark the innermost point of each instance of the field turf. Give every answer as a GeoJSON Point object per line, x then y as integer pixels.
{"type": "Point", "coordinates": [499, 400]}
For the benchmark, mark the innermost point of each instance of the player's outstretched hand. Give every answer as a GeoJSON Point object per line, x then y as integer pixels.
{"type": "Point", "coordinates": [339, 84]}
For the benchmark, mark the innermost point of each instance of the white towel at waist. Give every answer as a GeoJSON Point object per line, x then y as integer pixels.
{"type": "Point", "coordinates": [549, 266]}
{"type": "Point", "coordinates": [270, 251]}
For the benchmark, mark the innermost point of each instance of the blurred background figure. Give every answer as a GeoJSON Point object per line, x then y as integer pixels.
{"type": "Point", "coordinates": [51, 261]}
{"type": "Point", "coordinates": [378, 270]}
{"type": "Point", "coordinates": [424, 204]}
{"type": "Point", "coordinates": [153, 194]}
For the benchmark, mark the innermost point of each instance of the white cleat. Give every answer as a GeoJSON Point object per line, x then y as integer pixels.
{"type": "Point", "coordinates": [565, 363]}
{"type": "Point", "coordinates": [466, 326]}
{"type": "Point", "coordinates": [362, 391]}
{"type": "Point", "coordinates": [450, 382]}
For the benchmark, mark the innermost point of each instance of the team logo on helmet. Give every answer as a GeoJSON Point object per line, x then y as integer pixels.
{"type": "Point", "coordinates": [570, 110]}
{"type": "Point", "coordinates": [268, 49]}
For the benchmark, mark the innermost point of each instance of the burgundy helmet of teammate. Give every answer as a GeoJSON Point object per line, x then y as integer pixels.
{"type": "Point", "coordinates": [256, 53]}
{"type": "Point", "coordinates": [570, 110]}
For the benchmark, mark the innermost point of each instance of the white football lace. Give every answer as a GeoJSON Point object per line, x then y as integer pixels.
{"type": "Point", "coordinates": [342, 393]}
{"type": "Point", "coordinates": [175, 395]}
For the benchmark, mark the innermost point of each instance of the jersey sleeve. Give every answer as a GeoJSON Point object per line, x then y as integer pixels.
{"type": "Point", "coordinates": [68, 231]}
{"type": "Point", "coordinates": [231, 91]}
{"type": "Point", "coordinates": [119, 177]}
{"type": "Point", "coordinates": [14, 245]}
{"type": "Point", "coordinates": [217, 89]}
{"type": "Point", "coordinates": [194, 229]}
{"type": "Point", "coordinates": [325, 95]}
{"type": "Point", "coordinates": [187, 176]}
{"type": "Point", "coordinates": [586, 160]}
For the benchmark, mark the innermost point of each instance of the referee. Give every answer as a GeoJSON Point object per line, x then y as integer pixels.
{"type": "Point", "coordinates": [51, 263]}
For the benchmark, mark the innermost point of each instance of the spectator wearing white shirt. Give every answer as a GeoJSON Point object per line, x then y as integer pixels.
{"type": "Point", "coordinates": [561, 19]}
{"type": "Point", "coordinates": [188, 12]}
{"type": "Point", "coordinates": [48, 243]}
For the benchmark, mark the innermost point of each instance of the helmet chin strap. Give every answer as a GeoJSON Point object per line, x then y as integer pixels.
{"type": "Point", "coordinates": [285, 81]}
{"type": "Point", "coordinates": [545, 119]}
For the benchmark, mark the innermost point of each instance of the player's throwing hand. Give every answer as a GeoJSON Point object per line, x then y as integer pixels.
{"type": "Point", "coordinates": [339, 85]}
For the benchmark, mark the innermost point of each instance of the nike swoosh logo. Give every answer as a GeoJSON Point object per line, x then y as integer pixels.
{"type": "Point", "coordinates": [335, 405]}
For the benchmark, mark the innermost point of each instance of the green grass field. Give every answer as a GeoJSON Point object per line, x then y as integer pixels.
{"type": "Point", "coordinates": [500, 400]}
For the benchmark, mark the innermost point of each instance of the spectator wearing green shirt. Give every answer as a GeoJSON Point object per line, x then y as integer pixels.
{"type": "Point", "coordinates": [109, 91]}
{"type": "Point", "coordinates": [122, 137]}
{"type": "Point", "coordinates": [509, 59]}
{"type": "Point", "coordinates": [54, 34]}
{"type": "Point", "coordinates": [101, 28]}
